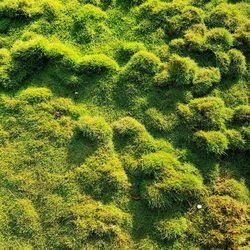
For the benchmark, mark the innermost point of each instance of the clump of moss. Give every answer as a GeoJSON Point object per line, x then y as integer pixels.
{"type": "Point", "coordinates": [182, 70]}
{"type": "Point", "coordinates": [35, 95]}
{"type": "Point", "coordinates": [172, 229]}
{"type": "Point", "coordinates": [205, 113]}
{"type": "Point", "coordinates": [213, 142]}
{"type": "Point", "coordinates": [205, 79]}
{"type": "Point", "coordinates": [95, 129]}
{"type": "Point", "coordinates": [219, 39]}
{"type": "Point", "coordinates": [141, 67]}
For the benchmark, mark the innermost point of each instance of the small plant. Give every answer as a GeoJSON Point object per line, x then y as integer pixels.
{"type": "Point", "coordinates": [95, 129]}
{"type": "Point", "coordinates": [213, 142]}
{"type": "Point", "coordinates": [219, 39]}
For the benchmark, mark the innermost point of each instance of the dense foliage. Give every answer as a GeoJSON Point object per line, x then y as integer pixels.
{"type": "Point", "coordinates": [124, 124]}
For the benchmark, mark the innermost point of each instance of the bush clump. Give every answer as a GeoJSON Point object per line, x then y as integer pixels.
{"type": "Point", "coordinates": [223, 62]}
{"type": "Point", "coordinates": [242, 36]}
{"type": "Point", "coordinates": [172, 229]}
{"type": "Point", "coordinates": [235, 139]}
{"type": "Point", "coordinates": [35, 95]}
{"type": "Point", "coordinates": [205, 113]}
{"type": "Point", "coordinates": [213, 142]}
{"type": "Point", "coordinates": [219, 39]}
{"type": "Point", "coordinates": [142, 66]}
{"type": "Point", "coordinates": [205, 79]}
{"type": "Point", "coordinates": [95, 129]}
{"type": "Point", "coordinates": [237, 63]}
{"type": "Point", "coordinates": [182, 70]}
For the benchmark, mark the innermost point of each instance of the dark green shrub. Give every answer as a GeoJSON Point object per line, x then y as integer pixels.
{"type": "Point", "coordinates": [242, 115]}
{"type": "Point", "coordinates": [237, 63]}
{"type": "Point", "coordinates": [205, 79]}
{"type": "Point", "coordinates": [213, 142]}
{"type": "Point", "coordinates": [171, 229]}
{"type": "Point", "coordinates": [245, 131]}
{"type": "Point", "coordinates": [223, 62]}
{"type": "Point", "coordinates": [141, 66]}
{"type": "Point", "coordinates": [177, 45]}
{"type": "Point", "coordinates": [5, 64]}
{"type": "Point", "coordinates": [235, 139]}
{"type": "Point", "coordinates": [204, 113]}
{"type": "Point", "coordinates": [95, 129]}
{"type": "Point", "coordinates": [35, 95]}
{"type": "Point", "coordinates": [182, 70]}
{"type": "Point", "coordinates": [233, 188]}
{"type": "Point", "coordinates": [218, 39]}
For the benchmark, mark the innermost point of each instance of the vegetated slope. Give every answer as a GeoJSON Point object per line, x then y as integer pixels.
{"type": "Point", "coordinates": [119, 118]}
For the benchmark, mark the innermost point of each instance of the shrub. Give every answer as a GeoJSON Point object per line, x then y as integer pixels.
{"type": "Point", "coordinates": [223, 62]}
{"type": "Point", "coordinates": [235, 139]}
{"type": "Point", "coordinates": [232, 188]}
{"type": "Point", "coordinates": [205, 113]}
{"type": "Point", "coordinates": [205, 79]}
{"type": "Point", "coordinates": [51, 8]}
{"type": "Point", "coordinates": [97, 64]}
{"type": "Point", "coordinates": [35, 95]}
{"type": "Point", "coordinates": [242, 115]}
{"type": "Point", "coordinates": [182, 70]}
{"type": "Point", "coordinates": [127, 50]}
{"type": "Point", "coordinates": [171, 229]}
{"type": "Point", "coordinates": [245, 131]}
{"type": "Point", "coordinates": [219, 39]}
{"type": "Point", "coordinates": [5, 64]}
{"type": "Point", "coordinates": [237, 63]}
{"type": "Point", "coordinates": [177, 45]}
{"type": "Point", "coordinates": [213, 142]}
{"type": "Point", "coordinates": [95, 129]}
{"type": "Point", "coordinates": [141, 66]}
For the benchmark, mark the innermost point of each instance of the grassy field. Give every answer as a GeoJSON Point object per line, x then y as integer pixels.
{"type": "Point", "coordinates": [124, 124]}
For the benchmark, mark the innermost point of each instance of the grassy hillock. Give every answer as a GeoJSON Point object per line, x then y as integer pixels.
{"type": "Point", "coordinates": [124, 124]}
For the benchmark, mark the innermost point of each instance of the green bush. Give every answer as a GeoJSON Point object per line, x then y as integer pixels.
{"type": "Point", "coordinates": [219, 39]}
{"type": "Point", "coordinates": [177, 45]}
{"type": "Point", "coordinates": [245, 131]}
{"type": "Point", "coordinates": [35, 95]}
{"type": "Point", "coordinates": [242, 115]}
{"type": "Point", "coordinates": [141, 66]}
{"type": "Point", "coordinates": [95, 129]}
{"type": "Point", "coordinates": [204, 113]}
{"type": "Point", "coordinates": [205, 79]}
{"type": "Point", "coordinates": [237, 63]}
{"type": "Point", "coordinates": [182, 70]}
{"type": "Point", "coordinates": [235, 139]}
{"type": "Point", "coordinates": [223, 62]}
{"type": "Point", "coordinates": [5, 64]}
{"type": "Point", "coordinates": [213, 142]}
{"type": "Point", "coordinates": [171, 229]}
{"type": "Point", "coordinates": [233, 188]}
